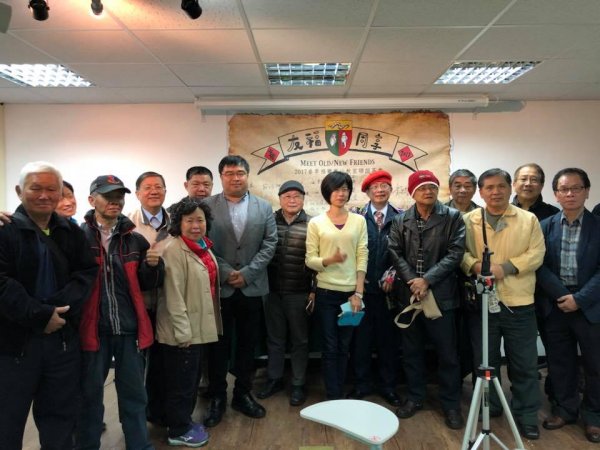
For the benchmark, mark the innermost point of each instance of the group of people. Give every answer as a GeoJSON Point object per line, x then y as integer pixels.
{"type": "Point", "coordinates": [163, 291]}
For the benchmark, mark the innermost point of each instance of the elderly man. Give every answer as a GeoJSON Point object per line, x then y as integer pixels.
{"type": "Point", "coordinates": [462, 184]}
{"type": "Point", "coordinates": [515, 238]}
{"type": "Point", "coordinates": [290, 295]}
{"type": "Point", "coordinates": [245, 237]}
{"type": "Point", "coordinates": [115, 323]}
{"type": "Point", "coordinates": [198, 182]}
{"type": "Point", "coordinates": [46, 275]}
{"type": "Point", "coordinates": [377, 325]}
{"type": "Point", "coordinates": [152, 221]}
{"type": "Point", "coordinates": [528, 184]}
{"type": "Point", "coordinates": [426, 245]}
{"type": "Point", "coordinates": [569, 281]}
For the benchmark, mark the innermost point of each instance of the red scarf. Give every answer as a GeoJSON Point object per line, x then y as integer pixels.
{"type": "Point", "coordinates": [206, 258]}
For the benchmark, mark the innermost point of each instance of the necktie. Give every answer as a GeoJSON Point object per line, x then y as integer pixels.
{"type": "Point", "coordinates": [379, 219]}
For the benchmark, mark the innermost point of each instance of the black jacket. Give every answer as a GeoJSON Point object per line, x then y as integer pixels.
{"type": "Point", "coordinates": [21, 313]}
{"type": "Point", "coordinates": [287, 272]}
{"type": "Point", "coordinates": [444, 248]}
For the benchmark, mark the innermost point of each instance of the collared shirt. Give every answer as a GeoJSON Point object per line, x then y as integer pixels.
{"type": "Point", "coordinates": [540, 209]}
{"type": "Point", "coordinates": [155, 220]}
{"type": "Point", "coordinates": [452, 204]}
{"type": "Point", "coordinates": [238, 212]}
{"type": "Point", "coordinates": [382, 211]}
{"type": "Point", "coordinates": [420, 263]}
{"type": "Point", "coordinates": [106, 235]}
{"type": "Point", "coordinates": [568, 249]}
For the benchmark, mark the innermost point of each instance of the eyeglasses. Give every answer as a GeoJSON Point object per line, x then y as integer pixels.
{"type": "Point", "coordinates": [380, 187]}
{"type": "Point", "coordinates": [573, 190]}
{"type": "Point", "coordinates": [157, 188]}
{"type": "Point", "coordinates": [238, 174]}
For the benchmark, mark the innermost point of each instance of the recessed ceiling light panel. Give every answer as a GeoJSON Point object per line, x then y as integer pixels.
{"type": "Point", "coordinates": [42, 75]}
{"type": "Point", "coordinates": [477, 72]}
{"type": "Point", "coordinates": [307, 74]}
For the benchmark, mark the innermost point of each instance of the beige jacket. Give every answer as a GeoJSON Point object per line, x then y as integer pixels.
{"type": "Point", "coordinates": [188, 313]}
{"type": "Point", "coordinates": [518, 239]}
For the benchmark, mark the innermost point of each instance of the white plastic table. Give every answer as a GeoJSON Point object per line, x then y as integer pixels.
{"type": "Point", "coordinates": [364, 421]}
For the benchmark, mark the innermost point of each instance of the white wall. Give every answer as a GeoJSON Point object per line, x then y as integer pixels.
{"type": "Point", "coordinates": [89, 140]}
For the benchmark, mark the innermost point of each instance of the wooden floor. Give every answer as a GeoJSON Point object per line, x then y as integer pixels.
{"type": "Point", "coordinates": [283, 429]}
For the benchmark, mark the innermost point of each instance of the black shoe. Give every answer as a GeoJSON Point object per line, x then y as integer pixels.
{"type": "Point", "coordinates": [357, 394]}
{"type": "Point", "coordinates": [454, 419]}
{"type": "Point", "coordinates": [391, 397]}
{"type": "Point", "coordinates": [248, 406]}
{"type": "Point", "coordinates": [216, 409]}
{"type": "Point", "coordinates": [409, 409]}
{"type": "Point", "coordinates": [531, 432]}
{"type": "Point", "coordinates": [298, 396]}
{"type": "Point", "coordinates": [270, 388]}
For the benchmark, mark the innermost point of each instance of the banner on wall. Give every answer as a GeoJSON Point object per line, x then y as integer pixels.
{"type": "Point", "coordinates": [307, 147]}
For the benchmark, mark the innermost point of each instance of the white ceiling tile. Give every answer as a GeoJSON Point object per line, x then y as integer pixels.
{"type": "Point", "coordinates": [423, 45]}
{"type": "Point", "coordinates": [562, 71]}
{"type": "Point", "coordinates": [394, 74]}
{"type": "Point", "coordinates": [198, 45]}
{"type": "Point", "coordinates": [419, 13]}
{"type": "Point", "coordinates": [82, 95]}
{"type": "Point", "coordinates": [323, 45]}
{"type": "Point", "coordinates": [21, 95]}
{"type": "Point", "coordinates": [229, 91]}
{"type": "Point", "coordinates": [129, 75]}
{"type": "Point", "coordinates": [15, 51]}
{"type": "Point", "coordinates": [218, 74]}
{"type": "Point", "coordinates": [162, 95]}
{"type": "Point", "coordinates": [307, 13]}
{"type": "Point", "coordinates": [552, 11]}
{"type": "Point", "coordinates": [382, 90]}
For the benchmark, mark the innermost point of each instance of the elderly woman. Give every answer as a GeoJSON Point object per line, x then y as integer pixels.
{"type": "Point", "coordinates": [188, 317]}
{"type": "Point", "coordinates": [336, 248]}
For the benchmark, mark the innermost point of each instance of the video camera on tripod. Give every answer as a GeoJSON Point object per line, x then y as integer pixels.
{"type": "Point", "coordinates": [485, 279]}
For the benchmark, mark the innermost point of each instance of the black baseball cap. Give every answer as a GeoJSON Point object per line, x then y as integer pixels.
{"type": "Point", "coordinates": [291, 185]}
{"type": "Point", "coordinates": [107, 183]}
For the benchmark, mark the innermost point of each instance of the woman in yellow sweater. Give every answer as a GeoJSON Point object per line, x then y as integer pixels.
{"type": "Point", "coordinates": [336, 248]}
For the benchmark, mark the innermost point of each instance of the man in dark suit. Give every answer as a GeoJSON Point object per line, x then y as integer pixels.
{"type": "Point", "coordinates": [570, 280]}
{"type": "Point", "coordinates": [245, 237]}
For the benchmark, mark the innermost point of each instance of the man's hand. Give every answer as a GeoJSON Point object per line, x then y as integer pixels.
{"type": "Point", "coordinates": [56, 322]}
{"type": "Point", "coordinates": [497, 271]}
{"type": "Point", "coordinates": [336, 258]}
{"type": "Point", "coordinates": [418, 286]}
{"type": "Point", "coordinates": [567, 303]}
{"type": "Point", "coordinates": [236, 279]}
{"type": "Point", "coordinates": [386, 287]}
{"type": "Point", "coordinates": [4, 217]}
{"type": "Point", "coordinates": [152, 256]}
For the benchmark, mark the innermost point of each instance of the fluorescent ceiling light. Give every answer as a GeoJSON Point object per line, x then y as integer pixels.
{"type": "Point", "coordinates": [307, 74]}
{"type": "Point", "coordinates": [340, 104]}
{"type": "Point", "coordinates": [475, 72]}
{"type": "Point", "coordinates": [42, 75]}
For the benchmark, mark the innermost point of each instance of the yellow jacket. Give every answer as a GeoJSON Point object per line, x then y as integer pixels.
{"type": "Point", "coordinates": [187, 313]}
{"type": "Point", "coordinates": [519, 239]}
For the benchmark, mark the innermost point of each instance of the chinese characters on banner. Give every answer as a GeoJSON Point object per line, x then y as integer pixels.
{"type": "Point", "coordinates": [307, 147]}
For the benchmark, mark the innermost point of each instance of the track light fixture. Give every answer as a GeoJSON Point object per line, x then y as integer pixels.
{"type": "Point", "coordinates": [192, 8]}
{"type": "Point", "coordinates": [97, 7]}
{"type": "Point", "coordinates": [39, 9]}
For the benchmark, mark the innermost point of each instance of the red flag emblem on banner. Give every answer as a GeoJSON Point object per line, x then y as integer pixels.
{"type": "Point", "coordinates": [271, 154]}
{"type": "Point", "coordinates": [405, 154]}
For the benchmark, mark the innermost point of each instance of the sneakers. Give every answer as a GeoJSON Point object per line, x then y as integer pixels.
{"type": "Point", "coordinates": [195, 437]}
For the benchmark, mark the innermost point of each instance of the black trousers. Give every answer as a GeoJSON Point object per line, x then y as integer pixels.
{"type": "Point", "coordinates": [47, 374]}
{"type": "Point", "coordinates": [376, 329]}
{"type": "Point", "coordinates": [242, 314]}
{"type": "Point", "coordinates": [564, 331]}
{"type": "Point", "coordinates": [155, 378]}
{"type": "Point", "coordinates": [181, 369]}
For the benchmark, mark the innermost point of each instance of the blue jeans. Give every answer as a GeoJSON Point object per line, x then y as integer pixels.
{"type": "Point", "coordinates": [131, 393]}
{"type": "Point", "coordinates": [335, 340]}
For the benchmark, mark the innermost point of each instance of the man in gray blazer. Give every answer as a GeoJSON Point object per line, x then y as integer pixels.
{"type": "Point", "coordinates": [245, 236]}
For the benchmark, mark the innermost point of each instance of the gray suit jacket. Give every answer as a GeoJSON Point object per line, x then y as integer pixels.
{"type": "Point", "coordinates": [252, 253]}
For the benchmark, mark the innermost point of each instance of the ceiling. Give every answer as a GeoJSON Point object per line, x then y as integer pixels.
{"type": "Point", "coordinates": [149, 51]}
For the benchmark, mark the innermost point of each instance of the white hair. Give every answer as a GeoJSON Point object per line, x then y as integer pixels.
{"type": "Point", "coordinates": [38, 167]}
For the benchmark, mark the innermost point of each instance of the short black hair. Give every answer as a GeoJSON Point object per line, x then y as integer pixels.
{"type": "Point", "coordinates": [149, 174]}
{"type": "Point", "coordinates": [233, 160]}
{"type": "Point", "coordinates": [571, 171]}
{"type": "Point", "coordinates": [184, 207]}
{"type": "Point", "coordinates": [197, 170]}
{"type": "Point", "coordinates": [334, 181]}
{"type": "Point", "coordinates": [538, 169]}
{"type": "Point", "coordinates": [68, 185]}
{"type": "Point", "coordinates": [462, 173]}
{"type": "Point", "coordinates": [493, 173]}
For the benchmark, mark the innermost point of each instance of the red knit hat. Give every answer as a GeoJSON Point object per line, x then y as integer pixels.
{"type": "Point", "coordinates": [380, 176]}
{"type": "Point", "coordinates": [420, 178]}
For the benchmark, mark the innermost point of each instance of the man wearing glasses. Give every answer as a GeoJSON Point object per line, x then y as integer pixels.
{"type": "Point", "coordinates": [528, 184]}
{"type": "Point", "coordinates": [570, 280]}
{"type": "Point", "coordinates": [245, 237]}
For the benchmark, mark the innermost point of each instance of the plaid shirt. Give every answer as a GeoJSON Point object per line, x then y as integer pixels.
{"type": "Point", "coordinates": [568, 249]}
{"type": "Point", "coordinates": [420, 253]}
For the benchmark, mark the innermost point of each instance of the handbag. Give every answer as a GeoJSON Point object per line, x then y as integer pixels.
{"type": "Point", "coordinates": [427, 306]}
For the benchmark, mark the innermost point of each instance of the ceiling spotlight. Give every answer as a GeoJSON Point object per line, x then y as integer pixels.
{"type": "Point", "coordinates": [97, 7]}
{"type": "Point", "coordinates": [192, 8]}
{"type": "Point", "coordinates": [39, 8]}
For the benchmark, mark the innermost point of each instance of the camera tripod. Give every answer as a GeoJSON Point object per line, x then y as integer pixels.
{"type": "Point", "coordinates": [481, 392]}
